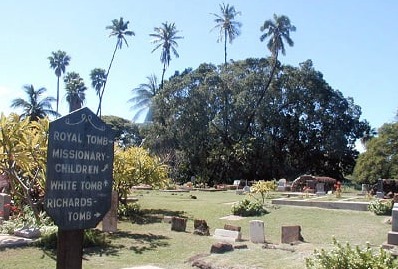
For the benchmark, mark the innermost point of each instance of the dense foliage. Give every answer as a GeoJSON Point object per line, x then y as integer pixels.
{"type": "Point", "coordinates": [247, 208]}
{"type": "Point", "coordinates": [134, 166]}
{"type": "Point", "coordinates": [345, 256]}
{"type": "Point", "coordinates": [380, 160]}
{"type": "Point", "coordinates": [23, 154]}
{"type": "Point", "coordinates": [204, 120]}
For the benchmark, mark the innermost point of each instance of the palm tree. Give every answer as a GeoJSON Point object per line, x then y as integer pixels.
{"type": "Point", "coordinates": [229, 28]}
{"type": "Point", "coordinates": [75, 90]}
{"type": "Point", "coordinates": [35, 107]}
{"type": "Point", "coordinates": [58, 61]}
{"type": "Point", "coordinates": [277, 30]}
{"type": "Point", "coordinates": [165, 37]}
{"type": "Point", "coordinates": [142, 100]}
{"type": "Point", "coordinates": [119, 28]}
{"type": "Point", "coordinates": [98, 78]}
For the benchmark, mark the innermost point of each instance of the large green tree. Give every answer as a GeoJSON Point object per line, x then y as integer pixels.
{"type": "Point", "coordinates": [229, 28]}
{"type": "Point", "coordinates": [380, 160]}
{"type": "Point", "coordinates": [35, 106]}
{"type": "Point", "coordinates": [119, 29]}
{"type": "Point", "coordinates": [75, 90]}
{"type": "Point", "coordinates": [59, 61]}
{"type": "Point", "coordinates": [126, 133]}
{"type": "Point", "coordinates": [165, 37]}
{"type": "Point", "coordinates": [142, 98]}
{"type": "Point", "coordinates": [303, 125]}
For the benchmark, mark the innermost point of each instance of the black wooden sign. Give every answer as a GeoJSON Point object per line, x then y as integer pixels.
{"type": "Point", "coordinates": [79, 170]}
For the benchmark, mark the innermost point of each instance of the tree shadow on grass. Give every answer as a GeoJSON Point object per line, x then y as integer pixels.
{"type": "Point", "coordinates": [148, 216]}
{"type": "Point", "coordinates": [139, 243]}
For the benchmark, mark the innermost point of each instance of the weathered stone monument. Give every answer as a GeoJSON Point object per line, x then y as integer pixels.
{"type": "Point", "coordinates": [109, 222]}
{"type": "Point", "coordinates": [200, 227]}
{"type": "Point", "coordinates": [392, 237]}
{"type": "Point", "coordinates": [257, 233]}
{"type": "Point", "coordinates": [178, 224]}
{"type": "Point", "coordinates": [291, 234]}
{"type": "Point", "coordinates": [5, 201]}
{"type": "Point", "coordinates": [281, 184]}
{"type": "Point", "coordinates": [320, 188]}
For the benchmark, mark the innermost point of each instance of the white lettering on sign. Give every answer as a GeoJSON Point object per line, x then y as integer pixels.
{"type": "Point", "coordinates": [74, 216]}
{"type": "Point", "coordinates": [69, 202]}
{"type": "Point", "coordinates": [66, 185]}
{"type": "Point", "coordinates": [97, 140]}
{"type": "Point", "coordinates": [89, 185]}
{"type": "Point", "coordinates": [72, 154]}
{"type": "Point", "coordinates": [65, 168]}
{"type": "Point", "coordinates": [67, 137]}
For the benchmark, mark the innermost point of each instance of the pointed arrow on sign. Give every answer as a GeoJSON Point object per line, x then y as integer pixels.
{"type": "Point", "coordinates": [97, 215]}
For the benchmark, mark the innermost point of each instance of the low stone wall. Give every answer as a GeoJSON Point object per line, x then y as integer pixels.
{"type": "Point", "coordinates": [358, 206]}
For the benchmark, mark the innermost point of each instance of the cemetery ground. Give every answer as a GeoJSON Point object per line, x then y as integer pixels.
{"type": "Point", "coordinates": [147, 240]}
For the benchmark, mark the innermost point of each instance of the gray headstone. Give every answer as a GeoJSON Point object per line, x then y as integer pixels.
{"type": "Point", "coordinates": [394, 219]}
{"type": "Point", "coordinates": [257, 231]}
{"type": "Point", "coordinates": [5, 201]}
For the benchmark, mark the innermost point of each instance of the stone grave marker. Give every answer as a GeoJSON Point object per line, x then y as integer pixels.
{"type": "Point", "coordinates": [392, 237]}
{"type": "Point", "coordinates": [257, 234]}
{"type": "Point", "coordinates": [109, 222]}
{"type": "Point", "coordinates": [227, 235]}
{"type": "Point", "coordinates": [232, 227]}
{"type": "Point", "coordinates": [291, 234]}
{"type": "Point", "coordinates": [281, 184]}
{"type": "Point", "coordinates": [5, 201]}
{"type": "Point", "coordinates": [379, 191]}
{"type": "Point", "coordinates": [320, 188]}
{"type": "Point", "coordinates": [178, 224]}
{"type": "Point", "coordinates": [200, 227]}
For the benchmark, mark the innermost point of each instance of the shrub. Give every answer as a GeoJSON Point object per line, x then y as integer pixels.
{"type": "Point", "coordinates": [247, 208]}
{"type": "Point", "coordinates": [381, 206]}
{"type": "Point", "coordinates": [128, 210]}
{"type": "Point", "coordinates": [345, 256]}
{"type": "Point", "coordinates": [134, 166]}
{"type": "Point", "coordinates": [263, 187]}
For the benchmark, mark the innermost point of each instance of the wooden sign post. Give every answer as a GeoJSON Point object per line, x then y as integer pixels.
{"type": "Point", "coordinates": [79, 180]}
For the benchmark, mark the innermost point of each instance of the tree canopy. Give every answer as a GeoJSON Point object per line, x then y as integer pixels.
{"type": "Point", "coordinates": [302, 125]}
{"type": "Point", "coordinates": [380, 160]}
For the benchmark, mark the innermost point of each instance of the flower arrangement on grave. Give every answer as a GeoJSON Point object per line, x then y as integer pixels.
{"type": "Point", "coordinates": [338, 190]}
{"type": "Point", "coordinates": [306, 192]}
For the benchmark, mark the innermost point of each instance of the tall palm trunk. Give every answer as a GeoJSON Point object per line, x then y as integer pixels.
{"type": "Point", "coordinates": [57, 92]}
{"type": "Point", "coordinates": [164, 71]}
{"type": "Point", "coordinates": [99, 110]}
{"type": "Point", "coordinates": [274, 60]}
{"type": "Point", "coordinates": [225, 46]}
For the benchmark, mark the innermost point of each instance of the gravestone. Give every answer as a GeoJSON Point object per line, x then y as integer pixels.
{"type": "Point", "coordinates": [227, 235]}
{"type": "Point", "coordinates": [178, 224]}
{"type": "Point", "coordinates": [364, 188]}
{"type": "Point", "coordinates": [200, 227]}
{"type": "Point", "coordinates": [221, 247]}
{"type": "Point", "coordinates": [281, 184]}
{"type": "Point", "coordinates": [5, 201]}
{"type": "Point", "coordinates": [232, 227]}
{"type": "Point", "coordinates": [392, 237]}
{"type": "Point", "coordinates": [379, 191]}
{"type": "Point", "coordinates": [246, 189]}
{"type": "Point", "coordinates": [257, 231]}
{"type": "Point", "coordinates": [291, 234]}
{"type": "Point", "coordinates": [109, 222]}
{"type": "Point", "coordinates": [320, 189]}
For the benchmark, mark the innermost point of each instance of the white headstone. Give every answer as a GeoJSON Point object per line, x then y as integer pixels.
{"type": "Point", "coordinates": [394, 219]}
{"type": "Point", "coordinates": [257, 231]}
{"type": "Point", "coordinates": [227, 235]}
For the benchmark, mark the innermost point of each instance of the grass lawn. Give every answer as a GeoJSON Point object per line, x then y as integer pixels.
{"type": "Point", "coordinates": [147, 240]}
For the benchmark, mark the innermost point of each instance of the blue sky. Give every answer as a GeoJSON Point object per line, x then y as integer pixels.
{"type": "Point", "coordinates": [353, 43]}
